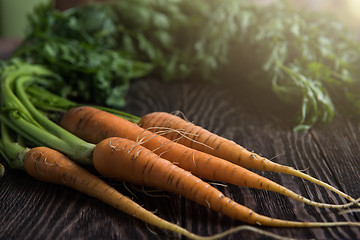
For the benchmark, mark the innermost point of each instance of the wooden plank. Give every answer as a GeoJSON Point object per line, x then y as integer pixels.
{"type": "Point", "coordinates": [340, 148]}
{"type": "Point", "coordinates": [31, 209]}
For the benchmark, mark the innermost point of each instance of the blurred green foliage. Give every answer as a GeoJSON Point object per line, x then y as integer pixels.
{"type": "Point", "coordinates": [308, 60]}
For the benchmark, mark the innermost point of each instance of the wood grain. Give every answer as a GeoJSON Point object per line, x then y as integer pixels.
{"type": "Point", "coordinates": [30, 209]}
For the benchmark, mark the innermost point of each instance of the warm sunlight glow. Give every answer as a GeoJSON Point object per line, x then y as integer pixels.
{"type": "Point", "coordinates": [354, 9]}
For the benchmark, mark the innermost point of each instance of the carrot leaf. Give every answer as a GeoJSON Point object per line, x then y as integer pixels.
{"type": "Point", "coordinates": [277, 50]}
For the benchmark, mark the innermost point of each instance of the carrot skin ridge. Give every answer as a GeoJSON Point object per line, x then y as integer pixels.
{"type": "Point", "coordinates": [94, 125]}
{"type": "Point", "coordinates": [223, 148]}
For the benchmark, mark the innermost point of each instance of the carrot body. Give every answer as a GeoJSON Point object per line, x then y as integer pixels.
{"type": "Point", "coordinates": [125, 160]}
{"type": "Point", "coordinates": [52, 166]}
{"type": "Point", "coordinates": [205, 141]}
{"type": "Point", "coordinates": [94, 125]}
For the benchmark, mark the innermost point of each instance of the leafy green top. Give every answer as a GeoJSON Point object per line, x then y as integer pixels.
{"type": "Point", "coordinates": [307, 59]}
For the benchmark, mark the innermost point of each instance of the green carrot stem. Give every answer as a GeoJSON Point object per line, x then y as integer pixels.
{"type": "Point", "coordinates": [5, 119]}
{"type": "Point", "coordinates": [44, 121]}
{"type": "Point", "coordinates": [9, 100]}
{"type": "Point", "coordinates": [2, 170]}
{"type": "Point", "coordinates": [79, 151]}
{"type": "Point", "coordinates": [127, 116]}
{"type": "Point", "coordinates": [19, 113]}
{"type": "Point", "coordinates": [46, 100]}
{"type": "Point", "coordinates": [12, 151]}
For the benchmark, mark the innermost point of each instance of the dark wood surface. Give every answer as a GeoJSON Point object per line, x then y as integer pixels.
{"type": "Point", "coordinates": [30, 209]}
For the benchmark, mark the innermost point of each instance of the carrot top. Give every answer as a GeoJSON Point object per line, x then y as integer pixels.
{"type": "Point", "coordinates": [19, 113]}
{"type": "Point", "coordinates": [12, 151]}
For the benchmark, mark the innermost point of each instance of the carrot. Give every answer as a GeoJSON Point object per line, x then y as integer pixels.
{"type": "Point", "coordinates": [126, 160]}
{"type": "Point", "coordinates": [205, 141]}
{"type": "Point", "coordinates": [94, 125]}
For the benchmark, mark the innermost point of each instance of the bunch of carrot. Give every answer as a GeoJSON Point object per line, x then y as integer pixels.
{"type": "Point", "coordinates": [54, 167]}
{"type": "Point", "coordinates": [49, 165]}
{"type": "Point", "coordinates": [122, 150]}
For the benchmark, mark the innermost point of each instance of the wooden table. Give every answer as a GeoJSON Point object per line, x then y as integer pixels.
{"type": "Point", "coordinates": [30, 209]}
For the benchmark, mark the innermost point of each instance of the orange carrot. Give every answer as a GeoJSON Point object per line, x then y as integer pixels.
{"type": "Point", "coordinates": [205, 141]}
{"type": "Point", "coordinates": [52, 166]}
{"type": "Point", "coordinates": [94, 125]}
{"type": "Point", "coordinates": [126, 160]}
